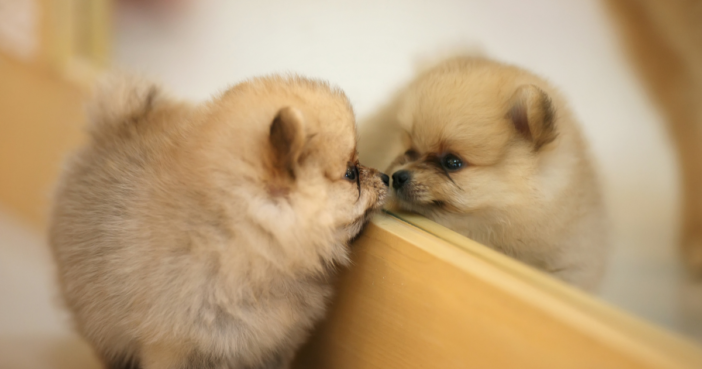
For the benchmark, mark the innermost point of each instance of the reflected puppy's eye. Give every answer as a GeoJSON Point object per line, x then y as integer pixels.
{"type": "Point", "coordinates": [351, 173]}
{"type": "Point", "coordinates": [451, 162]}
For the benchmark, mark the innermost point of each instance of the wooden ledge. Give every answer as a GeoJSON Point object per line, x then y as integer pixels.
{"type": "Point", "coordinates": [415, 300]}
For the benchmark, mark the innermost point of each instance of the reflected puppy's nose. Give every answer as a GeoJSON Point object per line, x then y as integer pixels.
{"type": "Point", "coordinates": [399, 178]}
{"type": "Point", "coordinates": [384, 177]}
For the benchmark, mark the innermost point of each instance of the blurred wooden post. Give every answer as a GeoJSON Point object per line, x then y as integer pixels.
{"type": "Point", "coordinates": [664, 42]}
{"type": "Point", "coordinates": [41, 97]}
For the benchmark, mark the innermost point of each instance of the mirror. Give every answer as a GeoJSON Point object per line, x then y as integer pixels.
{"type": "Point", "coordinates": [642, 261]}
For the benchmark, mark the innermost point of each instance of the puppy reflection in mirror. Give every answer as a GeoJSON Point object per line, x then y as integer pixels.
{"type": "Point", "coordinates": [494, 153]}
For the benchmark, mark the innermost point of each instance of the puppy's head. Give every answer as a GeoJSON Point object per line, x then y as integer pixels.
{"type": "Point", "coordinates": [291, 148]}
{"type": "Point", "coordinates": [313, 153]}
{"type": "Point", "coordinates": [475, 132]}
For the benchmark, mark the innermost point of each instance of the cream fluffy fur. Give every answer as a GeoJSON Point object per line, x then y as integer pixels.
{"type": "Point", "coordinates": [205, 235]}
{"type": "Point", "coordinates": [527, 186]}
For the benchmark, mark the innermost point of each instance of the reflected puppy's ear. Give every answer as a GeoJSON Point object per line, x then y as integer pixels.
{"type": "Point", "coordinates": [287, 139]}
{"type": "Point", "coordinates": [533, 115]}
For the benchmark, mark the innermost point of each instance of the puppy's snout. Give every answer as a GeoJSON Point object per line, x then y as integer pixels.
{"type": "Point", "coordinates": [399, 178]}
{"type": "Point", "coordinates": [384, 177]}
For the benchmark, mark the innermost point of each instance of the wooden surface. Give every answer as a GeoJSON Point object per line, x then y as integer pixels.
{"type": "Point", "coordinates": [413, 300]}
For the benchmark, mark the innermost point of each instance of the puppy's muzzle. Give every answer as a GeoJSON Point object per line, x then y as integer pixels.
{"type": "Point", "coordinates": [400, 178]}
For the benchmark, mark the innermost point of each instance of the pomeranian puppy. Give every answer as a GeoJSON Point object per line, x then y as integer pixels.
{"type": "Point", "coordinates": [492, 152]}
{"type": "Point", "coordinates": [204, 236]}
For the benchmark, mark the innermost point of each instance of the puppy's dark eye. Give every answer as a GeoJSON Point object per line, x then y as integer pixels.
{"type": "Point", "coordinates": [451, 162]}
{"type": "Point", "coordinates": [351, 173]}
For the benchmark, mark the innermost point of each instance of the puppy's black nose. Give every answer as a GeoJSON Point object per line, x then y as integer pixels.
{"type": "Point", "coordinates": [399, 178]}
{"type": "Point", "coordinates": [384, 177]}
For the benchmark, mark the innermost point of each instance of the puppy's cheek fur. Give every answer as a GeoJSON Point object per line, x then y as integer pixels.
{"type": "Point", "coordinates": [373, 196]}
{"type": "Point", "coordinates": [372, 188]}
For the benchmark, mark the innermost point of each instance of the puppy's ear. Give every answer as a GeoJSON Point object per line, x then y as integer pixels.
{"type": "Point", "coordinates": [533, 115]}
{"type": "Point", "coordinates": [287, 138]}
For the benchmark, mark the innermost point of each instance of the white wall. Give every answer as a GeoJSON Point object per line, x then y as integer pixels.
{"type": "Point", "coordinates": [369, 48]}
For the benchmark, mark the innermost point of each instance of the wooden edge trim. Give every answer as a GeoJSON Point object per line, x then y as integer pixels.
{"type": "Point", "coordinates": [577, 308]}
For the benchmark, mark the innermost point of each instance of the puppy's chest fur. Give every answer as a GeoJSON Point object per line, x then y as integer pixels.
{"type": "Point", "coordinates": [241, 287]}
{"type": "Point", "coordinates": [281, 301]}
{"type": "Point", "coordinates": [254, 314]}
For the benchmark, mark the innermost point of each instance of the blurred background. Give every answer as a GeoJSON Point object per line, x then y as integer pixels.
{"type": "Point", "coordinates": [51, 50]}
